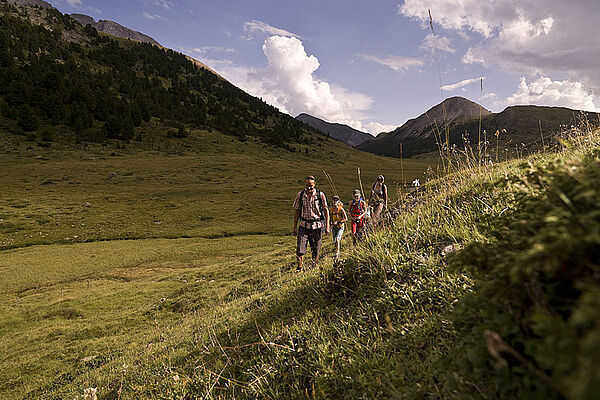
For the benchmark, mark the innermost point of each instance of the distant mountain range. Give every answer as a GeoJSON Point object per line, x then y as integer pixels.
{"type": "Point", "coordinates": [105, 26]}
{"type": "Point", "coordinates": [425, 133]}
{"type": "Point", "coordinates": [340, 132]}
{"type": "Point", "coordinates": [418, 130]}
{"type": "Point", "coordinates": [113, 28]}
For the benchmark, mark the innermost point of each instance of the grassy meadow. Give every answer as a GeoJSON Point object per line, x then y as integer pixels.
{"type": "Point", "coordinates": [105, 248]}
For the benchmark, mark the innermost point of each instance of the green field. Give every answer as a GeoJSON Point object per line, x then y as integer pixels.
{"type": "Point", "coordinates": [104, 247]}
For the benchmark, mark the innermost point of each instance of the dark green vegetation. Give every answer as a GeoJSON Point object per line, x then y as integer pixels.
{"type": "Point", "coordinates": [513, 132]}
{"type": "Point", "coordinates": [536, 299]}
{"type": "Point", "coordinates": [55, 73]}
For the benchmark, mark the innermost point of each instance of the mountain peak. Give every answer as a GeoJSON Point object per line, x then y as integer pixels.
{"type": "Point", "coordinates": [450, 111]}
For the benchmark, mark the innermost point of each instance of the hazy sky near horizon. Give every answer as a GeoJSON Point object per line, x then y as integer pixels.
{"type": "Point", "coordinates": [375, 64]}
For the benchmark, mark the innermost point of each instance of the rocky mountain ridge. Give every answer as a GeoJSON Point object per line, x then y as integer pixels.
{"type": "Point", "coordinates": [114, 28]}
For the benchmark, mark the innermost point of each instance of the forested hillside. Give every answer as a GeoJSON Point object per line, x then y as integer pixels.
{"type": "Point", "coordinates": [55, 72]}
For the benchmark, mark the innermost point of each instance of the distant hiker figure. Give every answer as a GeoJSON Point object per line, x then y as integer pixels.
{"type": "Point", "coordinates": [358, 212]}
{"type": "Point", "coordinates": [379, 198]}
{"type": "Point", "coordinates": [338, 223]}
{"type": "Point", "coordinates": [311, 210]}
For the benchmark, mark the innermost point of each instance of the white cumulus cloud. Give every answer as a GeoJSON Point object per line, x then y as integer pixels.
{"type": "Point", "coordinates": [461, 84]}
{"type": "Point", "coordinates": [74, 3]}
{"type": "Point", "coordinates": [546, 92]}
{"type": "Point", "coordinates": [254, 28]}
{"type": "Point", "coordinates": [397, 63]}
{"type": "Point", "coordinates": [523, 36]}
{"type": "Point", "coordinates": [375, 128]}
{"type": "Point", "coordinates": [289, 83]}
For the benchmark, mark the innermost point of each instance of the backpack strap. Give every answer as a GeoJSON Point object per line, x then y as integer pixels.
{"type": "Point", "coordinates": [321, 212]}
{"type": "Point", "coordinates": [320, 198]}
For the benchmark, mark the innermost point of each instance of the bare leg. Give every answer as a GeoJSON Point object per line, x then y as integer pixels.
{"type": "Point", "coordinates": [300, 259]}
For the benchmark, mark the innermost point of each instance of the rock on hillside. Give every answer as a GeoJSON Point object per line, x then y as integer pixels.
{"type": "Point", "coordinates": [113, 28]}
{"type": "Point", "coordinates": [340, 132]}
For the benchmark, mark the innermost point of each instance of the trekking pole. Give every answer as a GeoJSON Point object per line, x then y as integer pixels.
{"type": "Point", "coordinates": [330, 182]}
{"type": "Point", "coordinates": [360, 183]}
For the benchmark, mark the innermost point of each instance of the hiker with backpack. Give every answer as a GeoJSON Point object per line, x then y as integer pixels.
{"type": "Point", "coordinates": [379, 198]}
{"type": "Point", "coordinates": [358, 213]}
{"type": "Point", "coordinates": [338, 223]}
{"type": "Point", "coordinates": [312, 211]}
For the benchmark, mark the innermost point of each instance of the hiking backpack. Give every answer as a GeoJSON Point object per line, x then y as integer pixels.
{"type": "Point", "coordinates": [322, 214]}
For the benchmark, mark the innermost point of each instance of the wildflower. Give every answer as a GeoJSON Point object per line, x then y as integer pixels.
{"type": "Point", "coordinates": [176, 378]}
{"type": "Point", "coordinates": [416, 183]}
{"type": "Point", "coordinates": [90, 394]}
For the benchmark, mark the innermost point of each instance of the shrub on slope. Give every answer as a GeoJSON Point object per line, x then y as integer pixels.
{"type": "Point", "coordinates": [537, 298]}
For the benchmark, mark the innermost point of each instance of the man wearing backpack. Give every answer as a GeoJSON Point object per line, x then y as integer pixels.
{"type": "Point", "coordinates": [311, 209]}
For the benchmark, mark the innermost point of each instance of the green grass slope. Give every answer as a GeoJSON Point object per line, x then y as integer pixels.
{"type": "Point", "coordinates": [486, 287]}
{"type": "Point", "coordinates": [207, 221]}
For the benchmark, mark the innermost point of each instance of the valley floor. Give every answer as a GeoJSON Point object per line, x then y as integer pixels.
{"type": "Point", "coordinates": [105, 249]}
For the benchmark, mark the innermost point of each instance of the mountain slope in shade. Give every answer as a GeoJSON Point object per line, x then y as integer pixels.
{"type": "Point", "coordinates": [521, 126]}
{"type": "Point", "coordinates": [113, 28]}
{"type": "Point", "coordinates": [453, 110]}
{"type": "Point", "coordinates": [340, 132]}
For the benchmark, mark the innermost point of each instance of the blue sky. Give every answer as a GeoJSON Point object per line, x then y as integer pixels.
{"type": "Point", "coordinates": [374, 64]}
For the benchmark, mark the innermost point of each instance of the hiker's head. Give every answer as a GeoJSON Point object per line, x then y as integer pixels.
{"type": "Point", "coordinates": [336, 198]}
{"type": "Point", "coordinates": [356, 194]}
{"type": "Point", "coordinates": [309, 182]}
{"type": "Point", "coordinates": [380, 178]}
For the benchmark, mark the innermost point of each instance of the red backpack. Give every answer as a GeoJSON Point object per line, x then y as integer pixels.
{"type": "Point", "coordinates": [356, 209]}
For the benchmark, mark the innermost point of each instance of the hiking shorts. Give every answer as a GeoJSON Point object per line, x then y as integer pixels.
{"type": "Point", "coordinates": [337, 232]}
{"type": "Point", "coordinates": [309, 236]}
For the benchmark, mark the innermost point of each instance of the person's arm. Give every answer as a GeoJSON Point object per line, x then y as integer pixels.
{"type": "Point", "coordinates": [296, 217]}
{"type": "Point", "coordinates": [345, 217]}
{"type": "Point", "coordinates": [364, 214]}
{"type": "Point", "coordinates": [385, 196]}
